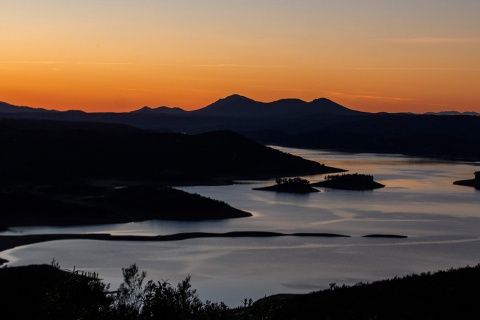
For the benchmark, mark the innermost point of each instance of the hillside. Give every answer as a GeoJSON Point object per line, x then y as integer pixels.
{"type": "Point", "coordinates": [39, 151]}
{"type": "Point", "coordinates": [450, 294]}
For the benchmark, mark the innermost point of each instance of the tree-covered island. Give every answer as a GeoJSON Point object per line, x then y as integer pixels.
{"type": "Point", "coordinates": [349, 181]}
{"type": "Point", "coordinates": [290, 185]}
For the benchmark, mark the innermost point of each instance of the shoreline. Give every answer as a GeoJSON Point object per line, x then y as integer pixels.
{"type": "Point", "coordinates": [10, 242]}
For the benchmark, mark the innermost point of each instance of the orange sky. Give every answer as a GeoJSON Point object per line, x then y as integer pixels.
{"type": "Point", "coordinates": [371, 55]}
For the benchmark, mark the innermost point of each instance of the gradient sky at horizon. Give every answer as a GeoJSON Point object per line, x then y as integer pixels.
{"type": "Point", "coordinates": [370, 55]}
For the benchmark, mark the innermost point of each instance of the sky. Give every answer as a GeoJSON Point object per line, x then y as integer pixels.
{"type": "Point", "coordinates": [121, 55]}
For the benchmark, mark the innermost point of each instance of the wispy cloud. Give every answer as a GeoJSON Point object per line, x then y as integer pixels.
{"type": "Point", "coordinates": [105, 63]}
{"type": "Point", "coordinates": [414, 68]}
{"type": "Point", "coordinates": [437, 40]}
{"type": "Point", "coordinates": [369, 96]}
{"type": "Point", "coordinates": [132, 89]}
{"type": "Point", "coordinates": [231, 65]}
{"type": "Point", "coordinates": [373, 97]}
{"type": "Point", "coordinates": [37, 62]}
{"type": "Point", "coordinates": [65, 62]}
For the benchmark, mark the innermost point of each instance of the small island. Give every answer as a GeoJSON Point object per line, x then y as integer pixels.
{"type": "Point", "coordinates": [471, 182]}
{"type": "Point", "coordinates": [349, 181]}
{"type": "Point", "coordinates": [290, 185]}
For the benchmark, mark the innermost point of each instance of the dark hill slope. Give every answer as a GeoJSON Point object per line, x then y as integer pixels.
{"type": "Point", "coordinates": [8, 108]}
{"type": "Point", "coordinates": [51, 150]}
{"type": "Point", "coordinates": [451, 294]}
{"type": "Point", "coordinates": [452, 137]}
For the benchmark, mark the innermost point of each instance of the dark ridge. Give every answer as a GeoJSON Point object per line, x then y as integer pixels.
{"type": "Point", "coordinates": [320, 124]}
{"type": "Point", "coordinates": [239, 106]}
{"type": "Point", "coordinates": [448, 137]}
{"type": "Point", "coordinates": [159, 110]}
{"type": "Point", "coordinates": [8, 108]}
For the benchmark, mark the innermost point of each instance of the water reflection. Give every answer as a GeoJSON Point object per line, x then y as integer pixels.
{"type": "Point", "coordinates": [419, 200]}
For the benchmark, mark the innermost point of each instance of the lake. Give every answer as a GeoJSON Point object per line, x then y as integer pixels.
{"type": "Point", "coordinates": [441, 220]}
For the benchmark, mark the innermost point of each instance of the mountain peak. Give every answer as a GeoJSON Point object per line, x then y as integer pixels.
{"type": "Point", "coordinates": [235, 98]}
{"type": "Point", "coordinates": [236, 105]}
{"type": "Point", "coordinates": [159, 110]}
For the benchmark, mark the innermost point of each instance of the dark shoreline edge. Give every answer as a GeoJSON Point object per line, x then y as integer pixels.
{"type": "Point", "coordinates": [391, 236]}
{"type": "Point", "coordinates": [9, 242]}
{"type": "Point", "coordinates": [468, 183]}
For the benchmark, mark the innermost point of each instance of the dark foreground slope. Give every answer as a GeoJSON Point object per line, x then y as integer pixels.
{"type": "Point", "coordinates": [451, 294]}
{"type": "Point", "coordinates": [55, 151]}
{"type": "Point", "coordinates": [46, 292]}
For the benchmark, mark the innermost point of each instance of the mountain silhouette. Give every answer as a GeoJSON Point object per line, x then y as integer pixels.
{"type": "Point", "coordinates": [8, 108]}
{"type": "Point", "coordinates": [454, 113]}
{"type": "Point", "coordinates": [319, 124]}
{"type": "Point", "coordinates": [240, 106]}
{"type": "Point", "coordinates": [159, 110]}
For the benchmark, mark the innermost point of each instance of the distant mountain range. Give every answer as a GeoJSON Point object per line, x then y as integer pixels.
{"type": "Point", "coordinates": [231, 106]}
{"type": "Point", "coordinates": [454, 113]}
{"type": "Point", "coordinates": [320, 124]}
{"type": "Point", "coordinates": [239, 106]}
{"type": "Point", "coordinates": [8, 108]}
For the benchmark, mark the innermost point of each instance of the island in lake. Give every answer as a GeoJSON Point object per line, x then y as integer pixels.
{"type": "Point", "coordinates": [470, 182]}
{"type": "Point", "coordinates": [290, 185]}
{"type": "Point", "coordinates": [349, 181]}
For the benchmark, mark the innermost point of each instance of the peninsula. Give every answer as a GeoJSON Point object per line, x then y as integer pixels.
{"type": "Point", "coordinates": [470, 182]}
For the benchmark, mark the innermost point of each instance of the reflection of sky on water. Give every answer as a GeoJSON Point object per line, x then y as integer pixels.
{"type": "Point", "coordinates": [441, 219]}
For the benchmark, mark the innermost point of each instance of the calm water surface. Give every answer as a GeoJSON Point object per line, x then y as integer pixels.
{"type": "Point", "coordinates": [441, 220]}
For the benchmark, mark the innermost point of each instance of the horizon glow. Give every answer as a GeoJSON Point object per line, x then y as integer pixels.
{"type": "Point", "coordinates": [371, 55]}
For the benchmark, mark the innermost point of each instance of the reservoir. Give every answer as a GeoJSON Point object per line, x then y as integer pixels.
{"type": "Point", "coordinates": [441, 222]}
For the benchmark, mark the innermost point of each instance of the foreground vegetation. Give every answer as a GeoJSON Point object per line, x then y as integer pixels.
{"type": "Point", "coordinates": [47, 292]}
